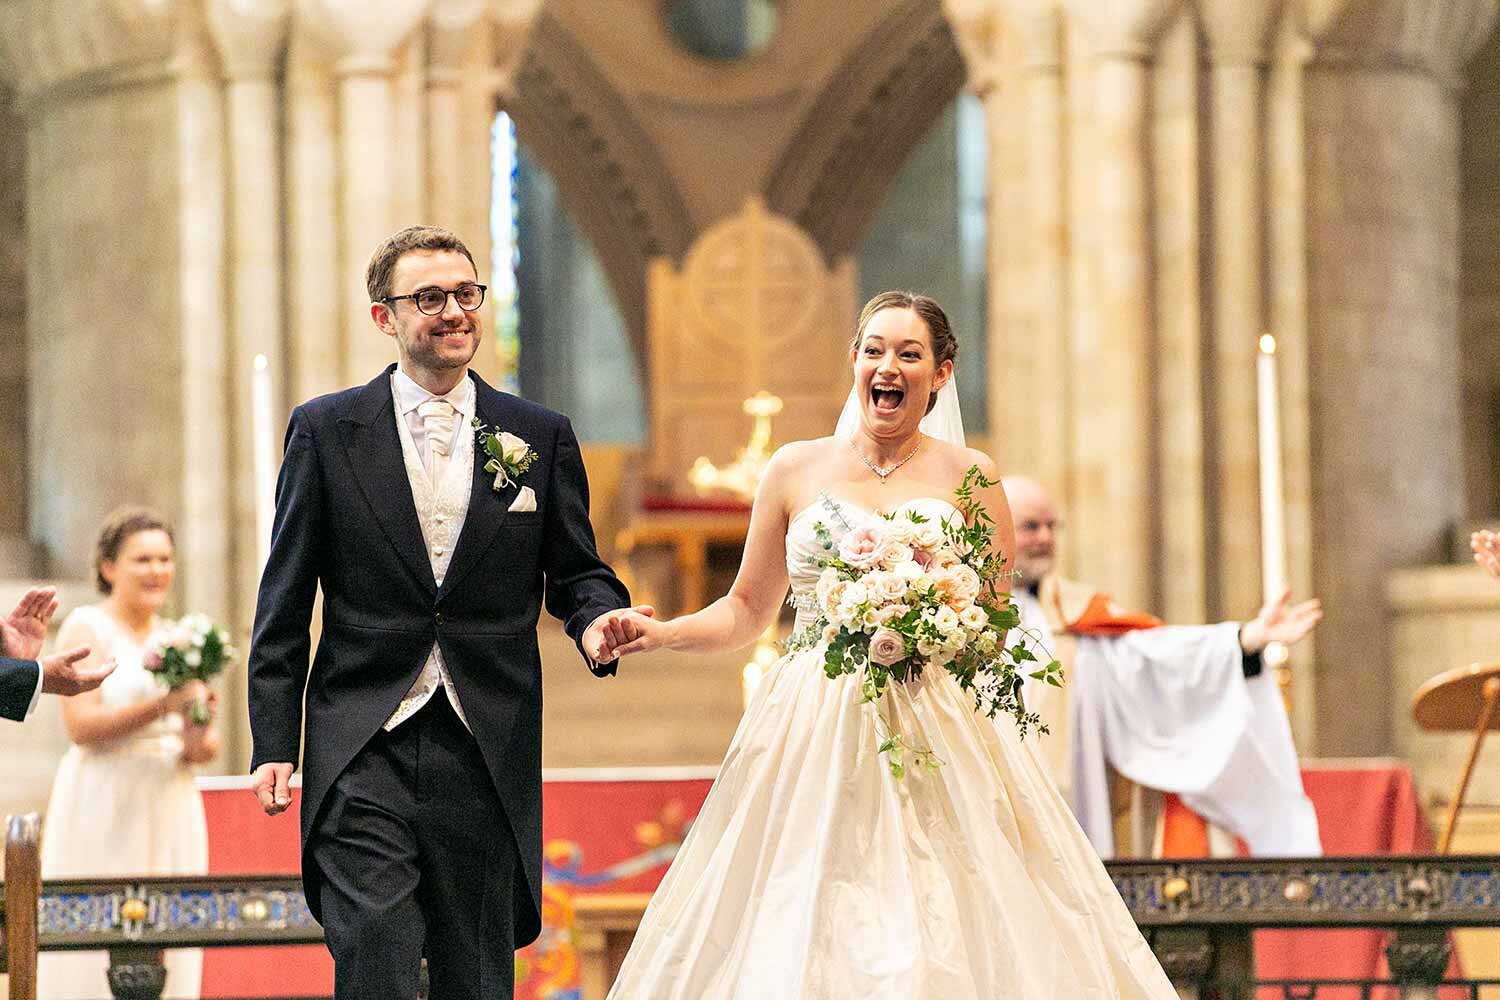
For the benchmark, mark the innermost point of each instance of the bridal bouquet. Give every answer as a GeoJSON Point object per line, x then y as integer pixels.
{"type": "Point", "coordinates": [196, 650]}
{"type": "Point", "coordinates": [902, 593]}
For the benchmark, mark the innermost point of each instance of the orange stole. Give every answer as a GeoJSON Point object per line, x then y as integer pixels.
{"type": "Point", "coordinates": [1184, 832]}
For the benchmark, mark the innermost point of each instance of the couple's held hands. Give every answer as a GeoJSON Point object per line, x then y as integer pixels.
{"type": "Point", "coordinates": [1486, 546]}
{"type": "Point", "coordinates": [1280, 621]}
{"type": "Point", "coordinates": [608, 636]}
{"type": "Point", "coordinates": [271, 786]}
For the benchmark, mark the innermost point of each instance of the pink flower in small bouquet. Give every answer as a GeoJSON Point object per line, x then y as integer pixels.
{"type": "Point", "coordinates": [195, 650]}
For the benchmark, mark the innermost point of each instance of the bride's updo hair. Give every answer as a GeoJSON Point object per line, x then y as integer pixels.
{"type": "Point", "coordinates": [944, 343]}
{"type": "Point", "coordinates": [118, 526]}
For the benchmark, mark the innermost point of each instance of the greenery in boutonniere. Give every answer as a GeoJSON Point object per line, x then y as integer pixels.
{"type": "Point", "coordinates": [509, 455]}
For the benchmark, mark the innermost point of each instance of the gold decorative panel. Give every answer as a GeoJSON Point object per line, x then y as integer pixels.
{"type": "Point", "coordinates": [754, 307]}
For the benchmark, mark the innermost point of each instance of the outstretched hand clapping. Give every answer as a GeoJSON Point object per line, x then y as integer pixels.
{"type": "Point", "coordinates": [1280, 621]}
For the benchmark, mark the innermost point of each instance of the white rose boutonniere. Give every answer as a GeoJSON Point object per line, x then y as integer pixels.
{"type": "Point", "coordinates": [509, 455]}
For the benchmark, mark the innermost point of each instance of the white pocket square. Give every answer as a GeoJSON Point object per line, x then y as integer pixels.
{"type": "Point", "coordinates": [524, 501]}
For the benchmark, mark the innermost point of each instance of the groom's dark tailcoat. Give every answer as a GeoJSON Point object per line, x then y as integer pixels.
{"type": "Point", "coordinates": [345, 519]}
{"type": "Point", "coordinates": [17, 685]}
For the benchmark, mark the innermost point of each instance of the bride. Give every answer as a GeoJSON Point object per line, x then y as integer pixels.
{"type": "Point", "coordinates": [814, 873]}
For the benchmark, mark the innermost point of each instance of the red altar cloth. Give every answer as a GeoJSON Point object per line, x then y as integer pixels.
{"type": "Point", "coordinates": [1364, 806]}
{"type": "Point", "coordinates": [616, 831]}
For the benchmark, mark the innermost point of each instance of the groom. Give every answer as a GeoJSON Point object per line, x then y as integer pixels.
{"type": "Point", "coordinates": [421, 807]}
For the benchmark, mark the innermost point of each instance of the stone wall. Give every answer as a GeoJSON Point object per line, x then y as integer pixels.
{"type": "Point", "coordinates": [1479, 281]}
{"type": "Point", "coordinates": [102, 269]}
{"type": "Point", "coordinates": [15, 549]}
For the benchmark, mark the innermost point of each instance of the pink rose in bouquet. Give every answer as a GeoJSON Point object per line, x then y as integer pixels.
{"type": "Point", "coordinates": [861, 548]}
{"type": "Point", "coordinates": [887, 646]}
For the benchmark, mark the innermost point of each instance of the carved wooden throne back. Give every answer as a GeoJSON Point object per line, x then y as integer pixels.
{"type": "Point", "coordinates": [754, 306]}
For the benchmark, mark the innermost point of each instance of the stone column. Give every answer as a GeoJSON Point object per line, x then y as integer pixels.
{"type": "Point", "coordinates": [1113, 456]}
{"type": "Point", "coordinates": [250, 41]}
{"type": "Point", "coordinates": [1236, 33]}
{"type": "Point", "coordinates": [15, 550]}
{"type": "Point", "coordinates": [315, 326]}
{"type": "Point", "coordinates": [452, 32]}
{"type": "Point", "coordinates": [413, 140]}
{"type": "Point", "coordinates": [1286, 250]}
{"type": "Point", "coordinates": [1178, 366]}
{"type": "Point", "coordinates": [205, 522]}
{"type": "Point", "coordinates": [1039, 410]}
{"type": "Point", "coordinates": [368, 35]}
{"type": "Point", "coordinates": [1384, 341]}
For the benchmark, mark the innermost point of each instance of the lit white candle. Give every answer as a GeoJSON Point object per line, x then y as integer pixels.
{"type": "Point", "coordinates": [1272, 512]}
{"type": "Point", "coordinates": [264, 432]}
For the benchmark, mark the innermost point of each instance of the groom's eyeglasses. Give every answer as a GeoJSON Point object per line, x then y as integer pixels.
{"type": "Point", "coordinates": [433, 300]}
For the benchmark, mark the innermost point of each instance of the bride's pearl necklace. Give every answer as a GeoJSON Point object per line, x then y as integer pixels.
{"type": "Point", "coordinates": [883, 473]}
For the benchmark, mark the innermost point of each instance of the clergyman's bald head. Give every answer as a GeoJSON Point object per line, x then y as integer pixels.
{"type": "Point", "coordinates": [1036, 523]}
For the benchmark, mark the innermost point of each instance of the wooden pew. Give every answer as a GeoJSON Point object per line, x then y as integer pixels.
{"type": "Point", "coordinates": [23, 885]}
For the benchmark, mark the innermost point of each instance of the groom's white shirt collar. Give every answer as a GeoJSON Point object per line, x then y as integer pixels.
{"type": "Point", "coordinates": [409, 395]}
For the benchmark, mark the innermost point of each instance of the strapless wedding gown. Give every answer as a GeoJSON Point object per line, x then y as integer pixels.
{"type": "Point", "coordinates": [130, 807]}
{"type": "Point", "coordinates": [812, 873]}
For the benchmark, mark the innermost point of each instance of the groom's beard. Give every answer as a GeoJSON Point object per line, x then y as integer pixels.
{"type": "Point", "coordinates": [424, 349]}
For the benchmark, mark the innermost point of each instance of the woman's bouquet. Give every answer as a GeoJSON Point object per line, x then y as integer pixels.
{"type": "Point", "coordinates": [196, 650]}
{"type": "Point", "coordinates": [902, 593]}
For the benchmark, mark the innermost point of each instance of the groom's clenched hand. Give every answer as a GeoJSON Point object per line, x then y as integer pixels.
{"type": "Point", "coordinates": [271, 784]}
{"type": "Point", "coordinates": [612, 630]}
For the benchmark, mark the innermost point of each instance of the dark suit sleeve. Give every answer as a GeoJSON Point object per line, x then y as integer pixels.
{"type": "Point", "coordinates": [283, 609]}
{"type": "Point", "coordinates": [17, 686]}
{"type": "Point", "coordinates": [580, 587]}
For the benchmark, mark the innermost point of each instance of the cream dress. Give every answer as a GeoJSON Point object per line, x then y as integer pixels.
{"type": "Point", "coordinates": [812, 873]}
{"type": "Point", "coordinates": [126, 808]}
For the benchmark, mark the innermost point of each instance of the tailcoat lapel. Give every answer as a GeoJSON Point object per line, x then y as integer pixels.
{"type": "Point", "coordinates": [373, 447]}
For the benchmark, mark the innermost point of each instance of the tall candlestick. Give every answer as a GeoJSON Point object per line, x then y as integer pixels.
{"type": "Point", "coordinates": [265, 456]}
{"type": "Point", "coordinates": [1272, 512]}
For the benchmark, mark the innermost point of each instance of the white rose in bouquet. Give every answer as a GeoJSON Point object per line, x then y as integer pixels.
{"type": "Point", "coordinates": [928, 535]}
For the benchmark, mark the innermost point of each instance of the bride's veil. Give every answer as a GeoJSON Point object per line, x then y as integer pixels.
{"type": "Point", "coordinates": [945, 422]}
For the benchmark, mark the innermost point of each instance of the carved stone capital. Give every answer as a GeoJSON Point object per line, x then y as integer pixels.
{"type": "Point", "coordinates": [1126, 29]}
{"type": "Point", "coordinates": [250, 34]}
{"type": "Point", "coordinates": [1238, 29]}
{"type": "Point", "coordinates": [450, 29]}
{"type": "Point", "coordinates": [514, 21]}
{"type": "Point", "coordinates": [362, 35]}
{"type": "Point", "coordinates": [977, 29]}
{"type": "Point", "coordinates": [44, 44]}
{"type": "Point", "coordinates": [1432, 36]}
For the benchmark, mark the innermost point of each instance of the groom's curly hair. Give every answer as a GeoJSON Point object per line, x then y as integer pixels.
{"type": "Point", "coordinates": [119, 526]}
{"type": "Point", "coordinates": [383, 261]}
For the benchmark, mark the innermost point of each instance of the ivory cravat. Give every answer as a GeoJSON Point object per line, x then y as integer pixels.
{"type": "Point", "coordinates": [437, 422]}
